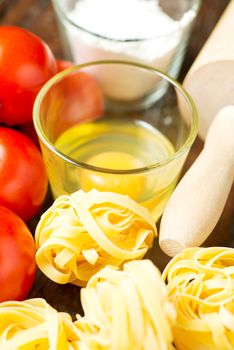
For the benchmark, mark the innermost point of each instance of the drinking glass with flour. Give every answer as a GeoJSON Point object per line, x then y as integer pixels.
{"type": "Point", "coordinates": [152, 32]}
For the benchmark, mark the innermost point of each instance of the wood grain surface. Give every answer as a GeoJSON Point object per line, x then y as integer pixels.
{"type": "Point", "coordinates": [38, 16]}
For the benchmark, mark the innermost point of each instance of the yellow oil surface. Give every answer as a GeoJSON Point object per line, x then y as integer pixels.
{"type": "Point", "coordinates": [118, 144]}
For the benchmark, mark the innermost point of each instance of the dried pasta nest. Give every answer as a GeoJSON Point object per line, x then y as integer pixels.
{"type": "Point", "coordinates": [82, 232]}
{"type": "Point", "coordinates": [35, 325]}
{"type": "Point", "coordinates": [200, 283]}
{"type": "Point", "coordinates": [126, 309]}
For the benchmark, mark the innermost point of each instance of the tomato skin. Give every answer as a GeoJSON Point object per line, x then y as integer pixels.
{"type": "Point", "coordinates": [81, 96]}
{"type": "Point", "coordinates": [61, 65]}
{"type": "Point", "coordinates": [23, 179]}
{"type": "Point", "coordinates": [82, 90]}
{"type": "Point", "coordinates": [26, 63]}
{"type": "Point", "coordinates": [17, 257]}
{"type": "Point", "coordinates": [81, 100]}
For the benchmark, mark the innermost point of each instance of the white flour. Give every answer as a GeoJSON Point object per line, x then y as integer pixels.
{"type": "Point", "coordinates": [122, 19]}
{"type": "Point", "coordinates": [111, 23]}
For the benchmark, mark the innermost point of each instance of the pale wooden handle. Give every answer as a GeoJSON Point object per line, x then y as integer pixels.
{"type": "Point", "coordinates": [210, 80]}
{"type": "Point", "coordinates": [198, 201]}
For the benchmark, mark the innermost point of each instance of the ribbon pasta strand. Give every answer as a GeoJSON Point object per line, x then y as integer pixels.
{"type": "Point", "coordinates": [126, 309]}
{"type": "Point", "coordinates": [82, 232]}
{"type": "Point", "coordinates": [200, 283]}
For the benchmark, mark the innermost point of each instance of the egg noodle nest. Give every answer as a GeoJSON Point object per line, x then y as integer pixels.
{"type": "Point", "coordinates": [85, 231]}
{"type": "Point", "coordinates": [200, 283]}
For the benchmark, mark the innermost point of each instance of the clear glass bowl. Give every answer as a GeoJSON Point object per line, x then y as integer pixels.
{"type": "Point", "coordinates": [162, 49]}
{"type": "Point", "coordinates": [91, 143]}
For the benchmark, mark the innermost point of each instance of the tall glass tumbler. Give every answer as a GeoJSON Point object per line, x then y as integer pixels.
{"type": "Point", "coordinates": [131, 137]}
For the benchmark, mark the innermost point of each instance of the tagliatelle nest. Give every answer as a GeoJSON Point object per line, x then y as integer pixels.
{"type": "Point", "coordinates": [200, 283]}
{"type": "Point", "coordinates": [126, 309]}
{"type": "Point", "coordinates": [35, 325]}
{"type": "Point", "coordinates": [83, 232]}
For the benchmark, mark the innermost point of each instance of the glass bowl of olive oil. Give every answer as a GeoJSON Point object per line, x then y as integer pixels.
{"type": "Point", "coordinates": [131, 138]}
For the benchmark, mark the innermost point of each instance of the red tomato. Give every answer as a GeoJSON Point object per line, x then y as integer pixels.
{"type": "Point", "coordinates": [17, 257]}
{"type": "Point", "coordinates": [23, 180]}
{"type": "Point", "coordinates": [81, 99]}
{"type": "Point", "coordinates": [26, 63]}
{"type": "Point", "coordinates": [61, 65]}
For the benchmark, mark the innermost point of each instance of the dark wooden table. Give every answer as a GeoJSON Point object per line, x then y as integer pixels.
{"type": "Point", "coordinates": [38, 16]}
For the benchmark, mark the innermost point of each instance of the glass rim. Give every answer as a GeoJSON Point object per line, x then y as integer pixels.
{"type": "Point", "coordinates": [58, 77]}
{"type": "Point", "coordinates": [195, 7]}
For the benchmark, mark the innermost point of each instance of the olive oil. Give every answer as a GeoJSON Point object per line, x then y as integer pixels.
{"type": "Point", "coordinates": [117, 148]}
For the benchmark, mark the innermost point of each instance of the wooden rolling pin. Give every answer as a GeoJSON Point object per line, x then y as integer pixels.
{"type": "Point", "coordinates": [198, 201]}
{"type": "Point", "coordinates": [210, 80]}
